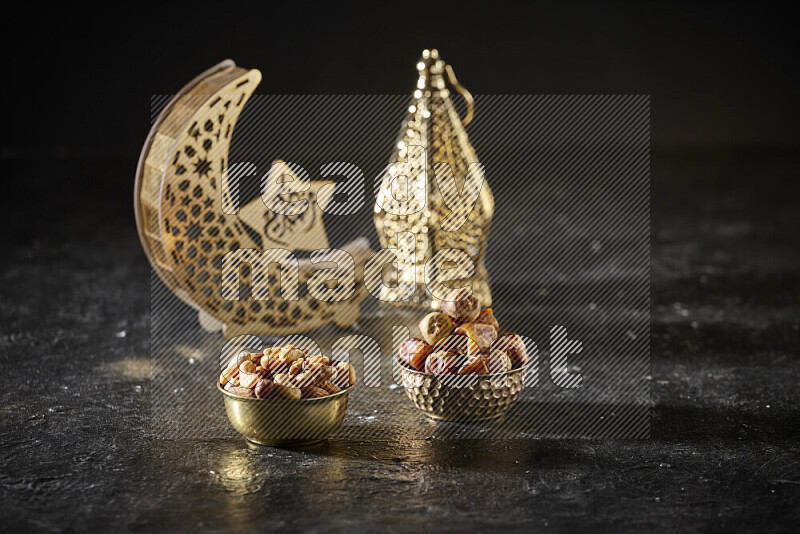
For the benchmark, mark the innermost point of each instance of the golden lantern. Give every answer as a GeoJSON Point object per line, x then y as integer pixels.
{"type": "Point", "coordinates": [434, 190]}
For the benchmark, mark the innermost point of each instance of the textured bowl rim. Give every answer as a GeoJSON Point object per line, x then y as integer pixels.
{"type": "Point", "coordinates": [409, 370]}
{"type": "Point", "coordinates": [279, 400]}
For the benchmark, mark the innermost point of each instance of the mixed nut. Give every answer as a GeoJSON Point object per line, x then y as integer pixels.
{"type": "Point", "coordinates": [286, 372]}
{"type": "Point", "coordinates": [462, 339]}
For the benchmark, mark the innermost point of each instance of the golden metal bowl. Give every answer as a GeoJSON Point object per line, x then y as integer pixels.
{"type": "Point", "coordinates": [283, 422]}
{"type": "Point", "coordinates": [463, 398]}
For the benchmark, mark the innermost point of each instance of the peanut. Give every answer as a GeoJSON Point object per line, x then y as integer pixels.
{"type": "Point", "coordinates": [286, 387]}
{"type": "Point", "coordinates": [314, 392]}
{"type": "Point", "coordinates": [230, 372]}
{"type": "Point", "coordinates": [344, 375]}
{"type": "Point", "coordinates": [330, 387]}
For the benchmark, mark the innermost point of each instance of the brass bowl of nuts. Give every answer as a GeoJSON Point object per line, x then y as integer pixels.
{"type": "Point", "coordinates": [283, 397]}
{"type": "Point", "coordinates": [461, 369]}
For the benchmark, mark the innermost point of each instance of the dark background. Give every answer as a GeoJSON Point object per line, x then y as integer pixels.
{"type": "Point", "coordinates": [77, 451]}
{"type": "Point", "coordinates": [78, 81]}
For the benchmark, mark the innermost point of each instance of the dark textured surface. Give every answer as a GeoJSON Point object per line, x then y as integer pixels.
{"type": "Point", "coordinates": [77, 450]}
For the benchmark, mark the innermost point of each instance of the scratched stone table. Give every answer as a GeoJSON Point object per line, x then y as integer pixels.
{"type": "Point", "coordinates": [79, 452]}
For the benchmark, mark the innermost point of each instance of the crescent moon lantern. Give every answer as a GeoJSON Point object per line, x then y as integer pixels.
{"type": "Point", "coordinates": [179, 195]}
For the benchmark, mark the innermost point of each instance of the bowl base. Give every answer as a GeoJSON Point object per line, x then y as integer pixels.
{"type": "Point", "coordinates": [283, 443]}
{"type": "Point", "coordinates": [463, 419]}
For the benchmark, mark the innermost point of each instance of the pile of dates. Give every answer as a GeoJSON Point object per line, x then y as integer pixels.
{"type": "Point", "coordinates": [287, 373]}
{"type": "Point", "coordinates": [462, 340]}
